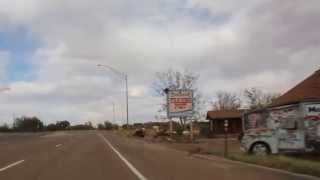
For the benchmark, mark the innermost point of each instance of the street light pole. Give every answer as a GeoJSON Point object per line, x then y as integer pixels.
{"type": "Point", "coordinates": [114, 113]}
{"type": "Point", "coordinates": [126, 86]}
{"type": "Point", "coordinates": [226, 125]}
{"type": "Point", "coordinates": [127, 99]}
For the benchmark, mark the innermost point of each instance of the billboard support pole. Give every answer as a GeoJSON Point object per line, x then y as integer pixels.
{"type": "Point", "coordinates": [171, 128]}
{"type": "Point", "coordinates": [170, 118]}
{"type": "Point", "coordinates": [226, 124]}
{"type": "Point", "coordinates": [191, 131]}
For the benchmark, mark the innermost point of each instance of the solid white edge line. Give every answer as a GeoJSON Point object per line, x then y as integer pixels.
{"type": "Point", "coordinates": [130, 166]}
{"type": "Point", "coordinates": [11, 165]}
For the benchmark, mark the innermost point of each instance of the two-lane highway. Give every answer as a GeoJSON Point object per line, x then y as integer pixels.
{"type": "Point", "coordinates": [75, 155]}
{"type": "Point", "coordinates": [101, 155]}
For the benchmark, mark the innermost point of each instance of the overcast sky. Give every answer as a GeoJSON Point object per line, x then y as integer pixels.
{"type": "Point", "coordinates": [49, 50]}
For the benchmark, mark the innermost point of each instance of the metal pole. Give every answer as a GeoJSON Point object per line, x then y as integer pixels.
{"type": "Point", "coordinates": [226, 124]}
{"type": "Point", "coordinates": [226, 144]}
{"type": "Point", "coordinates": [170, 127]}
{"type": "Point", "coordinates": [127, 100]}
{"type": "Point", "coordinates": [191, 131]}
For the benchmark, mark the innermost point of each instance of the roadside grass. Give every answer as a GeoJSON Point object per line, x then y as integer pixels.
{"type": "Point", "coordinates": [287, 163]}
{"type": "Point", "coordinates": [126, 132]}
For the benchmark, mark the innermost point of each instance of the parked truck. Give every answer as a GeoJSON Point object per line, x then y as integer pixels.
{"type": "Point", "coordinates": [293, 128]}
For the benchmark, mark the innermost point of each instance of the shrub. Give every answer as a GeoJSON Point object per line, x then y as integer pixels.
{"type": "Point", "coordinates": [28, 124]}
{"type": "Point", "coordinates": [5, 128]}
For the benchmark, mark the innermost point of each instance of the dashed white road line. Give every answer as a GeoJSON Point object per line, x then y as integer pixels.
{"type": "Point", "coordinates": [130, 166]}
{"type": "Point", "coordinates": [58, 145]}
{"type": "Point", "coordinates": [11, 165]}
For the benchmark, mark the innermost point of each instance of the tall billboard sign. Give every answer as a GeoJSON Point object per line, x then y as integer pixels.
{"type": "Point", "coordinates": [180, 103]}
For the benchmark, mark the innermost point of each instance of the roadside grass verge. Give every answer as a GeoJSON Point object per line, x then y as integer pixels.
{"type": "Point", "coordinates": [287, 163]}
{"type": "Point", "coordinates": [126, 132]}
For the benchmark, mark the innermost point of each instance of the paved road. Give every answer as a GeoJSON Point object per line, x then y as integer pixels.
{"type": "Point", "coordinates": [100, 155]}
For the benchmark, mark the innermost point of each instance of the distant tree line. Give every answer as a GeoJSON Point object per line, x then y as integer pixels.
{"type": "Point", "coordinates": [59, 125]}
{"type": "Point", "coordinates": [34, 124]}
{"type": "Point", "coordinates": [5, 128]}
{"type": "Point", "coordinates": [27, 124]}
{"type": "Point", "coordinates": [85, 126]}
{"type": "Point", "coordinates": [107, 125]}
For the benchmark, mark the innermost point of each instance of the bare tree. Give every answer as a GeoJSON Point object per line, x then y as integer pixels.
{"type": "Point", "coordinates": [226, 101]}
{"type": "Point", "coordinates": [178, 80]}
{"type": "Point", "coordinates": [257, 99]}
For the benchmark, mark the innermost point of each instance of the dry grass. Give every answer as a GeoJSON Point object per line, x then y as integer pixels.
{"type": "Point", "coordinates": [287, 163]}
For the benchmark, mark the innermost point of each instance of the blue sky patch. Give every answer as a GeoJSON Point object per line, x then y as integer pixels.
{"type": "Point", "coordinates": [205, 16]}
{"type": "Point", "coordinates": [181, 9]}
{"type": "Point", "coordinates": [21, 44]}
{"type": "Point", "coordinates": [200, 14]}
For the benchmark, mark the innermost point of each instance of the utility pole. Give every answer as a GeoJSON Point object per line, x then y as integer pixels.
{"type": "Point", "coordinates": [166, 91]}
{"type": "Point", "coordinates": [191, 131]}
{"type": "Point", "coordinates": [170, 127]}
{"type": "Point", "coordinates": [226, 151]}
{"type": "Point", "coordinates": [114, 112]}
{"type": "Point", "coordinates": [127, 99]}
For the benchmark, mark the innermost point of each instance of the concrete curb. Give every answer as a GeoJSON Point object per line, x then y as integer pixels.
{"type": "Point", "coordinates": [212, 158]}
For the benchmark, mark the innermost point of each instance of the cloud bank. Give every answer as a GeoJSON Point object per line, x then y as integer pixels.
{"type": "Point", "coordinates": [267, 44]}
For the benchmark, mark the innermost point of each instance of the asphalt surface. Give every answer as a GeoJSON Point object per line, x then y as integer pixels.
{"type": "Point", "coordinates": [94, 155]}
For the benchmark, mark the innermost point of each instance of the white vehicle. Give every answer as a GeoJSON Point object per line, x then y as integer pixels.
{"type": "Point", "coordinates": [292, 128]}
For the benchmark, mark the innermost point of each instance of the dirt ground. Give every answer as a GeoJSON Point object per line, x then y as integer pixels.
{"type": "Point", "coordinates": [202, 145]}
{"type": "Point", "coordinates": [214, 146]}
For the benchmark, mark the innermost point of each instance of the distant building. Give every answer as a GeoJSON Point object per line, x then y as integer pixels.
{"type": "Point", "coordinates": [217, 118]}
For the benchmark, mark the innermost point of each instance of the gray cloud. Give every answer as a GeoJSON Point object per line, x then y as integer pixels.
{"type": "Point", "coordinates": [267, 44]}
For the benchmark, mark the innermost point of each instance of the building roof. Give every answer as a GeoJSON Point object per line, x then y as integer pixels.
{"type": "Point", "coordinates": [308, 89]}
{"type": "Point", "coordinates": [224, 114]}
